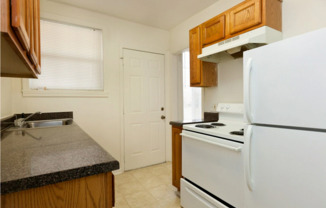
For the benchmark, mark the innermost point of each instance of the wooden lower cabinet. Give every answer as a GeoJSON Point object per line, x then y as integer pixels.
{"type": "Point", "coordinates": [95, 191]}
{"type": "Point", "coordinates": [176, 156]}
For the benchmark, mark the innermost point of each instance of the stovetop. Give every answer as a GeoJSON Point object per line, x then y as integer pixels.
{"type": "Point", "coordinates": [230, 130]}
{"type": "Point", "coordinates": [229, 126]}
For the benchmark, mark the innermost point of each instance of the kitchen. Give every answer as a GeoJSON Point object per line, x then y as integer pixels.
{"type": "Point", "coordinates": [298, 17]}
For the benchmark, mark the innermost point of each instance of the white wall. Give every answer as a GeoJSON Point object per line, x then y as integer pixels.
{"type": "Point", "coordinates": [6, 98]}
{"type": "Point", "coordinates": [101, 118]}
{"type": "Point", "coordinates": [299, 16]}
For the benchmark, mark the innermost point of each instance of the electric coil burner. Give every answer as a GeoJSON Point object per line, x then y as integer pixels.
{"type": "Point", "coordinates": [239, 133]}
{"type": "Point", "coordinates": [218, 124]}
{"type": "Point", "coordinates": [205, 126]}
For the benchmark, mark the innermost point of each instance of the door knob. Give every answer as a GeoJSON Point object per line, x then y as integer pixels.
{"type": "Point", "coordinates": [162, 117]}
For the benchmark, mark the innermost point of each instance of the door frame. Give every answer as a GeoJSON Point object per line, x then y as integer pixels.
{"type": "Point", "coordinates": [168, 134]}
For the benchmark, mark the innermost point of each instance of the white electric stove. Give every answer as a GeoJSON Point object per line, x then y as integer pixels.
{"type": "Point", "coordinates": [212, 161]}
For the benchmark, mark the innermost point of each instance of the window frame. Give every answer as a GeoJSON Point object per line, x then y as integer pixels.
{"type": "Point", "coordinates": [28, 92]}
{"type": "Point", "coordinates": [202, 91]}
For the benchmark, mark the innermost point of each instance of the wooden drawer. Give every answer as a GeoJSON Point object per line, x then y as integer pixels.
{"type": "Point", "coordinates": [245, 15]}
{"type": "Point", "coordinates": [213, 30]}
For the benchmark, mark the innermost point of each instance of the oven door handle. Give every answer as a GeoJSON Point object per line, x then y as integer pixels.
{"type": "Point", "coordinates": [236, 149]}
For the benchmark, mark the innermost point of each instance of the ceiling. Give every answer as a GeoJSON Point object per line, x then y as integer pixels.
{"type": "Point", "coordinates": [164, 14]}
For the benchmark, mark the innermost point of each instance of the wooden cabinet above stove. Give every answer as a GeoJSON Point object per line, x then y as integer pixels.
{"type": "Point", "coordinates": [244, 17]}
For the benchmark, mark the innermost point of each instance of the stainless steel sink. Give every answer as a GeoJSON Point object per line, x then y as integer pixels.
{"type": "Point", "coordinates": [48, 123]}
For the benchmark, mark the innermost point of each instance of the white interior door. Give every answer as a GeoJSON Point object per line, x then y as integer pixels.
{"type": "Point", "coordinates": [143, 109]}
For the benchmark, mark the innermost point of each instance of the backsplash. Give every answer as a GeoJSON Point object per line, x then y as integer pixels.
{"type": "Point", "coordinates": [230, 85]}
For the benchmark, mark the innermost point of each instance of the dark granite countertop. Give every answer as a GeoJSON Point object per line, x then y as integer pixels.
{"type": "Point", "coordinates": [43, 156]}
{"type": "Point", "coordinates": [208, 117]}
{"type": "Point", "coordinates": [183, 122]}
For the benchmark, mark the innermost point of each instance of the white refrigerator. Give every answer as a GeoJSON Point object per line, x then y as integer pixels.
{"type": "Point", "coordinates": [285, 109]}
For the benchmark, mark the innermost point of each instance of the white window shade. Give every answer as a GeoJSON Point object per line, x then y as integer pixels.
{"type": "Point", "coordinates": [71, 58]}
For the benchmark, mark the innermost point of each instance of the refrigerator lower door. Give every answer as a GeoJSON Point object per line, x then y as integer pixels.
{"type": "Point", "coordinates": [192, 197]}
{"type": "Point", "coordinates": [284, 82]}
{"type": "Point", "coordinates": [285, 168]}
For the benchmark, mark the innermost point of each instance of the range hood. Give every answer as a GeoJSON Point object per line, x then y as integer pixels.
{"type": "Point", "coordinates": [234, 47]}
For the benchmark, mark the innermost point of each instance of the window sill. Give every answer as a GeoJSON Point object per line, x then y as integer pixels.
{"type": "Point", "coordinates": [64, 93]}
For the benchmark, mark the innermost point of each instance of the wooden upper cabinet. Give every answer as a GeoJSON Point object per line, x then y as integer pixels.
{"type": "Point", "coordinates": [21, 16]}
{"type": "Point", "coordinates": [35, 51]}
{"type": "Point", "coordinates": [202, 74]}
{"type": "Point", "coordinates": [20, 38]}
{"type": "Point", "coordinates": [195, 50]}
{"type": "Point", "coordinates": [213, 30]}
{"type": "Point", "coordinates": [245, 15]}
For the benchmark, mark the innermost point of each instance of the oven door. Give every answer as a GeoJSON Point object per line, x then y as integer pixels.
{"type": "Point", "coordinates": [193, 197]}
{"type": "Point", "coordinates": [215, 165]}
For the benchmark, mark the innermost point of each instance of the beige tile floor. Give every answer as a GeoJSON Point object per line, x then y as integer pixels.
{"type": "Point", "coordinates": [148, 187]}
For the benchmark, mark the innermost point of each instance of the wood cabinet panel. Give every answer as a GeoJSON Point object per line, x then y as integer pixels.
{"type": "Point", "coordinates": [245, 15]}
{"type": "Point", "coordinates": [21, 16]}
{"type": "Point", "coordinates": [92, 192]}
{"type": "Point", "coordinates": [16, 36]}
{"type": "Point", "coordinates": [195, 50]}
{"type": "Point", "coordinates": [213, 30]}
{"type": "Point", "coordinates": [35, 51]}
{"type": "Point", "coordinates": [202, 74]}
{"type": "Point", "coordinates": [176, 156]}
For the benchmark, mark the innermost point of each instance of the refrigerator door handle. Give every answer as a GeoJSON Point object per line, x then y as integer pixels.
{"type": "Point", "coordinates": [248, 137]}
{"type": "Point", "coordinates": [247, 90]}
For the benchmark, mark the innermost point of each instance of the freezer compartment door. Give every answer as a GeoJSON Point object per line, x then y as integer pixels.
{"type": "Point", "coordinates": [192, 197]}
{"type": "Point", "coordinates": [286, 168]}
{"type": "Point", "coordinates": [285, 82]}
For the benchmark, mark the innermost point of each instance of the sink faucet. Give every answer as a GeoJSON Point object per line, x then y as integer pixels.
{"type": "Point", "coordinates": [21, 121]}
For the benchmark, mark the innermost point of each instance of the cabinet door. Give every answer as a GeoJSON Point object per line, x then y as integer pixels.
{"type": "Point", "coordinates": [213, 30]}
{"type": "Point", "coordinates": [176, 156]}
{"type": "Point", "coordinates": [195, 50]}
{"type": "Point", "coordinates": [35, 51]}
{"type": "Point", "coordinates": [21, 21]}
{"type": "Point", "coordinates": [245, 15]}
